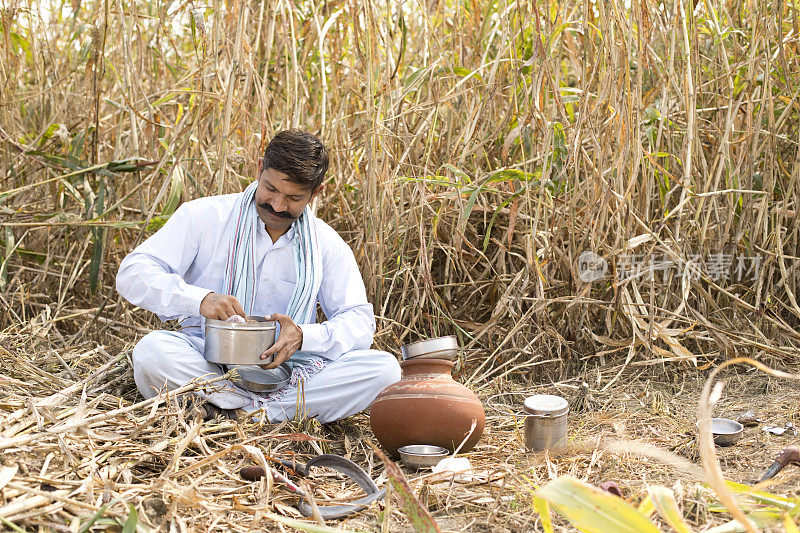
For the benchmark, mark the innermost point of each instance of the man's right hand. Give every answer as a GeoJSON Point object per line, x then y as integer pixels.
{"type": "Point", "coordinates": [220, 306]}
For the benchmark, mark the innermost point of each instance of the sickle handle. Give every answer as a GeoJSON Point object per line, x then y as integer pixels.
{"type": "Point", "coordinates": [789, 455]}
{"type": "Point", "coordinates": [252, 473]}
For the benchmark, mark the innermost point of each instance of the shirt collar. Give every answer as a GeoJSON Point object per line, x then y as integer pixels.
{"type": "Point", "coordinates": [289, 235]}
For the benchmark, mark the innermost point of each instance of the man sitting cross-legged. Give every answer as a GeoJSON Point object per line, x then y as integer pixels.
{"type": "Point", "coordinates": [261, 252]}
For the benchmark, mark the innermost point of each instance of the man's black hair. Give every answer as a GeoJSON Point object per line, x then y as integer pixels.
{"type": "Point", "coordinates": [298, 154]}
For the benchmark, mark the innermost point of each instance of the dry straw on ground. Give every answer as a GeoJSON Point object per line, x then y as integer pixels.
{"type": "Point", "coordinates": [478, 149]}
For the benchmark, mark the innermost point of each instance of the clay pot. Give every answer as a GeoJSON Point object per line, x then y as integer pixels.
{"type": "Point", "coordinates": [426, 407]}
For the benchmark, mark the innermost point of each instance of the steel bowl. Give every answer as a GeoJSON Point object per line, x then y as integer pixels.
{"type": "Point", "coordinates": [726, 432]}
{"type": "Point", "coordinates": [256, 379]}
{"type": "Point", "coordinates": [422, 455]}
{"type": "Point", "coordinates": [438, 348]}
{"type": "Point", "coordinates": [239, 343]}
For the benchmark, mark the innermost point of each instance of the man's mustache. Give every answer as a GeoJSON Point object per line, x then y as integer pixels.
{"type": "Point", "coordinates": [268, 208]}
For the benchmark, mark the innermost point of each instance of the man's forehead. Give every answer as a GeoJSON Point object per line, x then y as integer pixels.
{"type": "Point", "coordinates": [281, 181]}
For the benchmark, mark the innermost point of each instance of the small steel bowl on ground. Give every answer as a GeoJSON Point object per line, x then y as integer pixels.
{"type": "Point", "coordinates": [256, 379]}
{"type": "Point", "coordinates": [726, 432]}
{"type": "Point", "coordinates": [239, 343]}
{"type": "Point", "coordinates": [422, 455]}
{"type": "Point", "coordinates": [438, 348]}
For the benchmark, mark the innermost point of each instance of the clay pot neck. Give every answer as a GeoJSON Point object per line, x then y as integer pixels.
{"type": "Point", "coordinates": [413, 367]}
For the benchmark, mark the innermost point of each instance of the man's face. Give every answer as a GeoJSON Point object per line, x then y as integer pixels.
{"type": "Point", "coordinates": [279, 201]}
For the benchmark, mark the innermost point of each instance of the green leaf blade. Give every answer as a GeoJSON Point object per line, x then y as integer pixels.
{"type": "Point", "coordinates": [664, 501]}
{"type": "Point", "coordinates": [132, 521]}
{"type": "Point", "coordinates": [592, 510]}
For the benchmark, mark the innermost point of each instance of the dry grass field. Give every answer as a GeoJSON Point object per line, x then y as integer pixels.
{"type": "Point", "coordinates": [478, 150]}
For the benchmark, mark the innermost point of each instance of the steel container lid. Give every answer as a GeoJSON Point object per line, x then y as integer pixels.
{"type": "Point", "coordinates": [440, 346]}
{"type": "Point", "coordinates": [253, 322]}
{"type": "Point", "coordinates": [546, 405]}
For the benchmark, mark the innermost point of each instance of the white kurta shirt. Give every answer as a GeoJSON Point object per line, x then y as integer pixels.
{"type": "Point", "coordinates": [172, 271]}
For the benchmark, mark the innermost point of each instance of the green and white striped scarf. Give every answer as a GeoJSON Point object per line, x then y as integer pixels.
{"type": "Point", "coordinates": [240, 273]}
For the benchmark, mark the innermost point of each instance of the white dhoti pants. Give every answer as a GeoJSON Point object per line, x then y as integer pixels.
{"type": "Point", "coordinates": [169, 359]}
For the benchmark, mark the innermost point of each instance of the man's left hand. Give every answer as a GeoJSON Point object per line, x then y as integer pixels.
{"type": "Point", "coordinates": [289, 341]}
